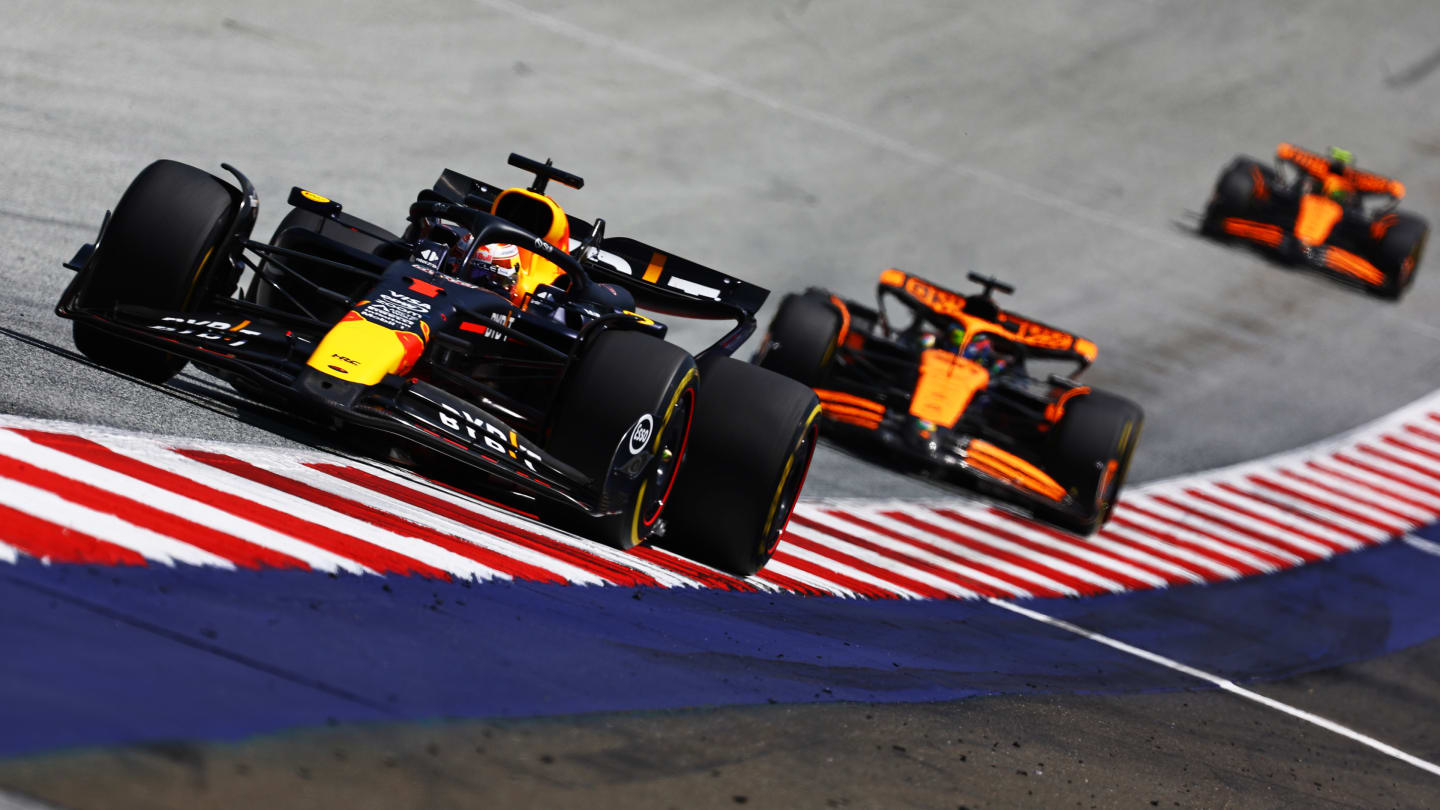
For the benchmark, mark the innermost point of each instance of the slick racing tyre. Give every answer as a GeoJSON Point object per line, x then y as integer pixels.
{"type": "Point", "coordinates": [802, 339]}
{"type": "Point", "coordinates": [1399, 252]}
{"type": "Point", "coordinates": [158, 251]}
{"type": "Point", "coordinates": [632, 395]}
{"type": "Point", "coordinates": [291, 233]}
{"type": "Point", "coordinates": [1090, 455]}
{"type": "Point", "coordinates": [754, 434]}
{"type": "Point", "coordinates": [1240, 186]}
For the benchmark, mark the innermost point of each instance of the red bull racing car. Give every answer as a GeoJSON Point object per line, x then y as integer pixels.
{"type": "Point", "coordinates": [950, 390]}
{"type": "Point", "coordinates": [1310, 209]}
{"type": "Point", "coordinates": [497, 333]}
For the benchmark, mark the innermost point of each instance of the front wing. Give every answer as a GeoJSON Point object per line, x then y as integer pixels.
{"type": "Point", "coordinates": [871, 428]}
{"type": "Point", "coordinates": [271, 359]}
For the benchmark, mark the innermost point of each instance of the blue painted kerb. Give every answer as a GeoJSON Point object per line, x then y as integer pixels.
{"type": "Point", "coordinates": [92, 655]}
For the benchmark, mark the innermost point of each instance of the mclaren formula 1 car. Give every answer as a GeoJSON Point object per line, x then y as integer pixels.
{"type": "Point", "coordinates": [951, 390]}
{"type": "Point", "coordinates": [1312, 210]}
{"type": "Point", "coordinates": [497, 334]}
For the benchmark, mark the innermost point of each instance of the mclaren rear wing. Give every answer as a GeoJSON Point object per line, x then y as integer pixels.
{"type": "Point", "coordinates": [1042, 340]}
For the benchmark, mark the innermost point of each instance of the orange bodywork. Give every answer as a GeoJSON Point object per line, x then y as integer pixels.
{"type": "Point", "coordinates": [1382, 226]}
{"type": "Point", "coordinates": [850, 409]}
{"type": "Point", "coordinates": [1317, 218]}
{"type": "Point", "coordinates": [991, 460]}
{"type": "Point", "coordinates": [539, 214]}
{"type": "Point", "coordinates": [1262, 190]}
{"type": "Point", "coordinates": [1055, 411]}
{"type": "Point", "coordinates": [1352, 265]}
{"type": "Point", "coordinates": [1350, 180]}
{"type": "Point", "coordinates": [844, 320]}
{"type": "Point", "coordinates": [363, 351]}
{"type": "Point", "coordinates": [948, 382]}
{"type": "Point", "coordinates": [1260, 232]}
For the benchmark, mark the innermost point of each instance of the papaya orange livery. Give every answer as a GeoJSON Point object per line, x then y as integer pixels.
{"type": "Point", "coordinates": [944, 386]}
{"type": "Point", "coordinates": [1319, 211]}
{"type": "Point", "coordinates": [948, 382]}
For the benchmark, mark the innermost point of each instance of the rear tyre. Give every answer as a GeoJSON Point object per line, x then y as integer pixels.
{"type": "Point", "coordinates": [300, 221]}
{"type": "Point", "coordinates": [158, 251]}
{"type": "Point", "coordinates": [634, 394]}
{"type": "Point", "coordinates": [754, 434]}
{"type": "Point", "coordinates": [1236, 192]}
{"type": "Point", "coordinates": [1399, 253]}
{"type": "Point", "coordinates": [802, 339]}
{"type": "Point", "coordinates": [1090, 455]}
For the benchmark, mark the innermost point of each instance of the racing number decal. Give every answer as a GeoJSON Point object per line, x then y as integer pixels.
{"type": "Point", "coordinates": [1039, 335]}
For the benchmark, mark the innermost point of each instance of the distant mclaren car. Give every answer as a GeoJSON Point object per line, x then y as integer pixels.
{"type": "Point", "coordinates": [1311, 209]}
{"type": "Point", "coordinates": [950, 393]}
{"type": "Point", "coordinates": [497, 331]}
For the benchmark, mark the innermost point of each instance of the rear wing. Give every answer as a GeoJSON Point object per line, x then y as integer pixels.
{"type": "Point", "coordinates": [1047, 341]}
{"type": "Point", "coordinates": [667, 283]}
{"type": "Point", "coordinates": [660, 281]}
{"type": "Point", "coordinates": [1042, 340]}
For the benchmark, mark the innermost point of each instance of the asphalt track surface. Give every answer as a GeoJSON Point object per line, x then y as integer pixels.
{"type": "Point", "coordinates": [1055, 145]}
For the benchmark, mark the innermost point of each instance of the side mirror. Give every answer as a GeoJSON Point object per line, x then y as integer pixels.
{"type": "Point", "coordinates": [312, 202]}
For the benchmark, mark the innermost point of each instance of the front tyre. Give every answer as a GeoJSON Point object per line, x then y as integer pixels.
{"type": "Point", "coordinates": [755, 432]}
{"type": "Point", "coordinates": [1399, 252]}
{"type": "Point", "coordinates": [159, 251]}
{"type": "Point", "coordinates": [628, 396]}
{"type": "Point", "coordinates": [1090, 454]}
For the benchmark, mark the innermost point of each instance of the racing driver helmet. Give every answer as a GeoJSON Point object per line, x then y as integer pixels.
{"type": "Point", "coordinates": [497, 263]}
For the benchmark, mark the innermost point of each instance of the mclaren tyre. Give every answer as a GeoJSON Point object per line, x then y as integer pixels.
{"type": "Point", "coordinates": [1399, 252]}
{"type": "Point", "coordinates": [629, 397]}
{"type": "Point", "coordinates": [754, 434]}
{"type": "Point", "coordinates": [802, 339]}
{"type": "Point", "coordinates": [1090, 455]}
{"type": "Point", "coordinates": [1240, 184]}
{"type": "Point", "coordinates": [158, 251]}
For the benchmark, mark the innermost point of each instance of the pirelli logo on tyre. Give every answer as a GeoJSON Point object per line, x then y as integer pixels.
{"type": "Point", "coordinates": [640, 434]}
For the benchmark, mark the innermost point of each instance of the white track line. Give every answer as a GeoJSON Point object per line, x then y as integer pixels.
{"type": "Point", "coordinates": [1223, 683]}
{"type": "Point", "coordinates": [1420, 543]}
{"type": "Point", "coordinates": [12, 801]}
